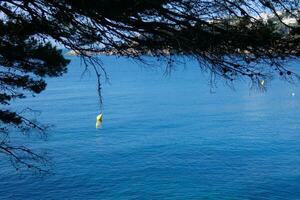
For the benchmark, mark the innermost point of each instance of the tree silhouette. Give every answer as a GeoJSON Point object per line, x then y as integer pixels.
{"type": "Point", "coordinates": [232, 39]}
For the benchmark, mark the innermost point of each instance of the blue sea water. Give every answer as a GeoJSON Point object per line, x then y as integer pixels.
{"type": "Point", "coordinates": [162, 137]}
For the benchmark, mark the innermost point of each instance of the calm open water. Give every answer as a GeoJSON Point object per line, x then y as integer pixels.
{"type": "Point", "coordinates": [163, 137]}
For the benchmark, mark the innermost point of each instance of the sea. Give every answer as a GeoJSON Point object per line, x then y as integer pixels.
{"type": "Point", "coordinates": [165, 134]}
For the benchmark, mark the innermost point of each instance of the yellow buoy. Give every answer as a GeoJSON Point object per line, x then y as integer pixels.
{"type": "Point", "coordinates": [99, 120]}
{"type": "Point", "coordinates": [262, 82]}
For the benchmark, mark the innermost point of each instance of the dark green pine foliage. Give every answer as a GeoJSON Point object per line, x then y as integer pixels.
{"type": "Point", "coordinates": [24, 62]}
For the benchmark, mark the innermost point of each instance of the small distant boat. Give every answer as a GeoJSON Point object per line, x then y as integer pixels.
{"type": "Point", "coordinates": [99, 120]}
{"type": "Point", "coordinates": [262, 82]}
